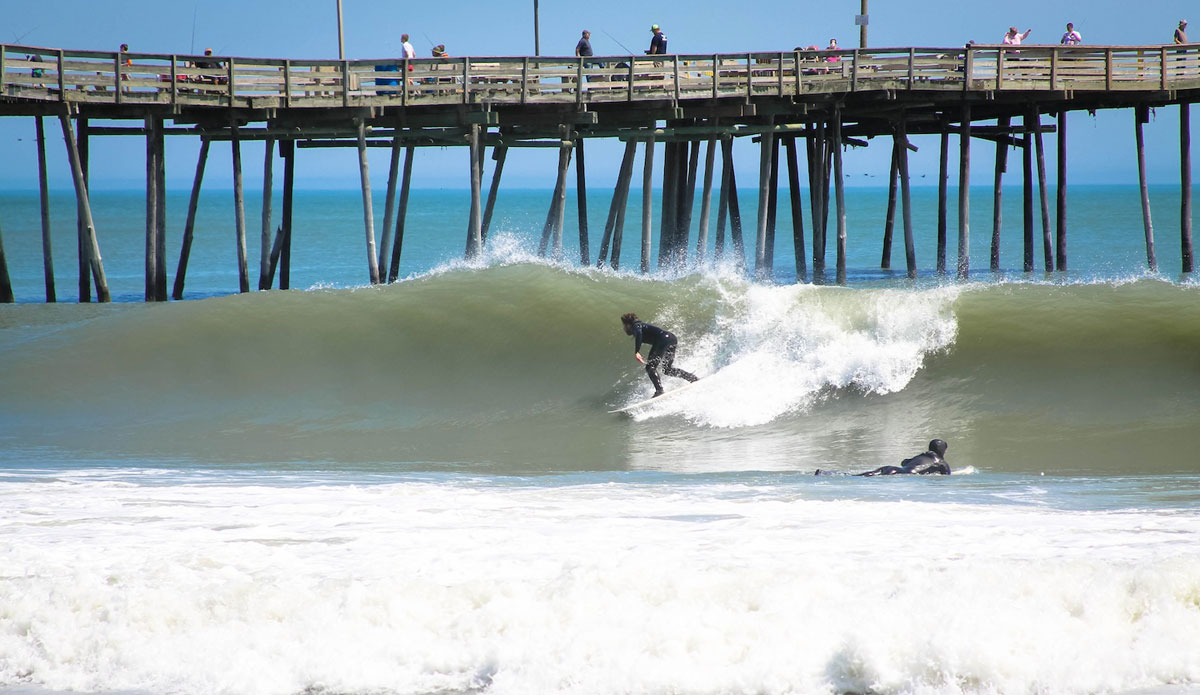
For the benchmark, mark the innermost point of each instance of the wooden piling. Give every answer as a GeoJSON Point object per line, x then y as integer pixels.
{"type": "Point", "coordinates": [499, 153]}
{"type": "Point", "coordinates": [160, 232]}
{"type": "Point", "coordinates": [389, 205]}
{"type": "Point", "coordinates": [889, 221]}
{"type": "Point", "coordinates": [687, 197]}
{"type": "Point", "coordinates": [44, 198]}
{"type": "Point", "coordinates": [364, 176]}
{"type": "Point", "coordinates": [614, 225]}
{"type": "Point", "coordinates": [552, 231]}
{"type": "Point", "coordinates": [964, 194]}
{"type": "Point", "coordinates": [1142, 115]}
{"type": "Point", "coordinates": [1002, 139]}
{"type": "Point", "coordinates": [943, 185]}
{"type": "Point", "coordinates": [647, 199]}
{"type": "Point", "coordinates": [772, 207]}
{"type": "Point", "coordinates": [1185, 185]}
{"type": "Point", "coordinates": [264, 266]}
{"type": "Point", "coordinates": [1043, 196]}
{"type": "Point", "coordinates": [797, 207]}
{"type": "Point", "coordinates": [6, 290]}
{"type": "Point", "coordinates": [151, 207]}
{"type": "Point", "coordinates": [673, 152]}
{"type": "Point", "coordinates": [185, 247]}
{"type": "Point", "coordinates": [475, 218]}
{"type": "Point", "coordinates": [705, 201]}
{"type": "Point", "coordinates": [285, 249]}
{"type": "Point", "coordinates": [1061, 222]}
{"type": "Point", "coordinates": [581, 202]}
{"type": "Point", "coordinates": [1027, 193]}
{"type": "Point", "coordinates": [839, 196]}
{"type": "Point", "coordinates": [766, 144]}
{"type": "Point", "coordinates": [85, 264]}
{"type": "Point", "coordinates": [910, 252]}
{"type": "Point", "coordinates": [239, 209]}
{"type": "Point", "coordinates": [151, 261]}
{"type": "Point", "coordinates": [818, 181]}
{"type": "Point", "coordinates": [735, 216]}
{"type": "Point", "coordinates": [90, 243]}
{"type": "Point", "coordinates": [722, 200]}
{"type": "Point", "coordinates": [402, 215]}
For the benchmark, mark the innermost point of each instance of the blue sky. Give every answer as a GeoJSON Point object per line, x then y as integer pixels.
{"type": "Point", "coordinates": [1101, 147]}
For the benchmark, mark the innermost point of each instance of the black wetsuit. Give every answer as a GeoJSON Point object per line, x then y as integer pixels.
{"type": "Point", "coordinates": [928, 463]}
{"type": "Point", "coordinates": [662, 353]}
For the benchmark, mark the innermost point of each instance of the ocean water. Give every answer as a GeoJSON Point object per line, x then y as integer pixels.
{"type": "Point", "coordinates": [418, 488]}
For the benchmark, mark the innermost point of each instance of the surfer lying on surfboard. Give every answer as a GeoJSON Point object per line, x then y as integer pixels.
{"type": "Point", "coordinates": [931, 462]}
{"type": "Point", "coordinates": [662, 350]}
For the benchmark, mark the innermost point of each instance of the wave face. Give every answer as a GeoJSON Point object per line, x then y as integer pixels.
{"type": "Point", "coordinates": [512, 367]}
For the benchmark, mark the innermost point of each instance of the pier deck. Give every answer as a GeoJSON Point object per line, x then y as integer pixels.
{"type": "Point", "coordinates": [826, 98]}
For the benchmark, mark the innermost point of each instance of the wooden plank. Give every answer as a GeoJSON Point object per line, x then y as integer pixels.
{"type": "Point", "coordinates": [1185, 185]}
{"type": "Point", "coordinates": [1061, 226]}
{"type": "Point", "coordinates": [44, 199]}
{"type": "Point", "coordinates": [402, 214]}
{"type": "Point", "coordinates": [475, 217]}
{"type": "Point", "coordinates": [239, 210]}
{"type": "Point", "coordinates": [647, 199]}
{"type": "Point", "coordinates": [91, 246]}
{"type": "Point", "coordinates": [964, 194]}
{"type": "Point", "coordinates": [1141, 115]}
{"type": "Point", "coordinates": [797, 208]}
{"type": "Point", "coordinates": [364, 175]}
{"type": "Point", "coordinates": [839, 195]}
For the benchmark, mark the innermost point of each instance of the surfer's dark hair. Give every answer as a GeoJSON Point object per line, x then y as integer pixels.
{"type": "Point", "coordinates": [629, 319]}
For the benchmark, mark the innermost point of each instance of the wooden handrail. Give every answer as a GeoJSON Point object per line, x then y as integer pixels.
{"type": "Point", "coordinates": [114, 77]}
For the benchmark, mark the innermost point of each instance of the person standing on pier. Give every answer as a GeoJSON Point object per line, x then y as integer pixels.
{"type": "Point", "coordinates": [662, 350]}
{"type": "Point", "coordinates": [1072, 37]}
{"type": "Point", "coordinates": [407, 47]}
{"type": "Point", "coordinates": [1013, 38]}
{"type": "Point", "coordinates": [1181, 32]}
{"type": "Point", "coordinates": [658, 43]}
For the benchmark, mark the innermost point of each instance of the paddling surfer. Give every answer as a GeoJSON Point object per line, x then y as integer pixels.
{"type": "Point", "coordinates": [931, 462]}
{"type": "Point", "coordinates": [662, 350]}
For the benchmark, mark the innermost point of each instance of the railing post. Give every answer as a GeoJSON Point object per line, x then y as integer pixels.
{"type": "Point", "coordinates": [749, 75]}
{"type": "Point", "coordinates": [999, 68]}
{"type": "Point", "coordinates": [174, 78]}
{"type": "Point", "coordinates": [1053, 68]}
{"type": "Point", "coordinates": [853, 72]}
{"type": "Point", "coordinates": [3, 50]}
{"type": "Point", "coordinates": [968, 68]}
{"type": "Point", "coordinates": [912, 67]}
{"type": "Point", "coordinates": [404, 83]}
{"type": "Point", "coordinates": [1108, 68]}
{"type": "Point", "coordinates": [1162, 57]}
{"type": "Point", "coordinates": [676, 60]}
{"type": "Point", "coordinates": [345, 82]}
{"type": "Point", "coordinates": [466, 80]}
{"type": "Point", "coordinates": [796, 66]}
{"type": "Point", "coordinates": [525, 79]}
{"type": "Point", "coordinates": [117, 76]}
{"type": "Point", "coordinates": [630, 82]}
{"type": "Point", "coordinates": [62, 81]}
{"type": "Point", "coordinates": [229, 77]}
{"type": "Point", "coordinates": [716, 63]}
{"type": "Point", "coordinates": [579, 82]}
{"type": "Point", "coordinates": [287, 82]}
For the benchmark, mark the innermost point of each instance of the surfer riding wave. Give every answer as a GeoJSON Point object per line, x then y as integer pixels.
{"type": "Point", "coordinates": [662, 344]}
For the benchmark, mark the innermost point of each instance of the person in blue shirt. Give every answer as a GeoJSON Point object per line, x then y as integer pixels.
{"type": "Point", "coordinates": [662, 350]}
{"type": "Point", "coordinates": [658, 43]}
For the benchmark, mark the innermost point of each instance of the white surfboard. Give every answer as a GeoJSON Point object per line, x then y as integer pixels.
{"type": "Point", "coordinates": [648, 401]}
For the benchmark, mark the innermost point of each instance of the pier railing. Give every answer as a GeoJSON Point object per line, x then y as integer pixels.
{"type": "Point", "coordinates": [43, 74]}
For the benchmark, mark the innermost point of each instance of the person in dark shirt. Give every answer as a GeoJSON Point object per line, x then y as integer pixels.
{"type": "Point", "coordinates": [658, 43]}
{"type": "Point", "coordinates": [583, 49]}
{"type": "Point", "coordinates": [662, 350]}
{"type": "Point", "coordinates": [931, 462]}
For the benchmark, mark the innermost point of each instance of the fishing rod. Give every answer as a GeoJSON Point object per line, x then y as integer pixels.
{"type": "Point", "coordinates": [192, 48]}
{"type": "Point", "coordinates": [627, 49]}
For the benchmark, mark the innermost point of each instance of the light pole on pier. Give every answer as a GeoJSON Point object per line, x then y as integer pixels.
{"type": "Point", "coordinates": [861, 21]}
{"type": "Point", "coordinates": [537, 48]}
{"type": "Point", "coordinates": [341, 39]}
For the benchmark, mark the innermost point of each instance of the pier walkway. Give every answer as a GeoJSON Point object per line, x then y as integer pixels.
{"type": "Point", "coordinates": [828, 99]}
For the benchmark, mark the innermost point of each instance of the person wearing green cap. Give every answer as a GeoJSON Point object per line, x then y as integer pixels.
{"type": "Point", "coordinates": [658, 44]}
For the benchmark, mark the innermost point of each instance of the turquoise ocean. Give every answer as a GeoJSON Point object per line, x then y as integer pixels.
{"type": "Point", "coordinates": [418, 488]}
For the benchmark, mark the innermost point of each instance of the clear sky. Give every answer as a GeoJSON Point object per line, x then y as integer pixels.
{"type": "Point", "coordinates": [1101, 147]}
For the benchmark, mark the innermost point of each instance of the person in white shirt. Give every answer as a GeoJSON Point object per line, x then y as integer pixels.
{"type": "Point", "coordinates": [408, 49]}
{"type": "Point", "coordinates": [1012, 38]}
{"type": "Point", "coordinates": [1072, 37]}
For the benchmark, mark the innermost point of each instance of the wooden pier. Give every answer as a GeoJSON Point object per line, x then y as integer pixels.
{"type": "Point", "coordinates": [829, 99]}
